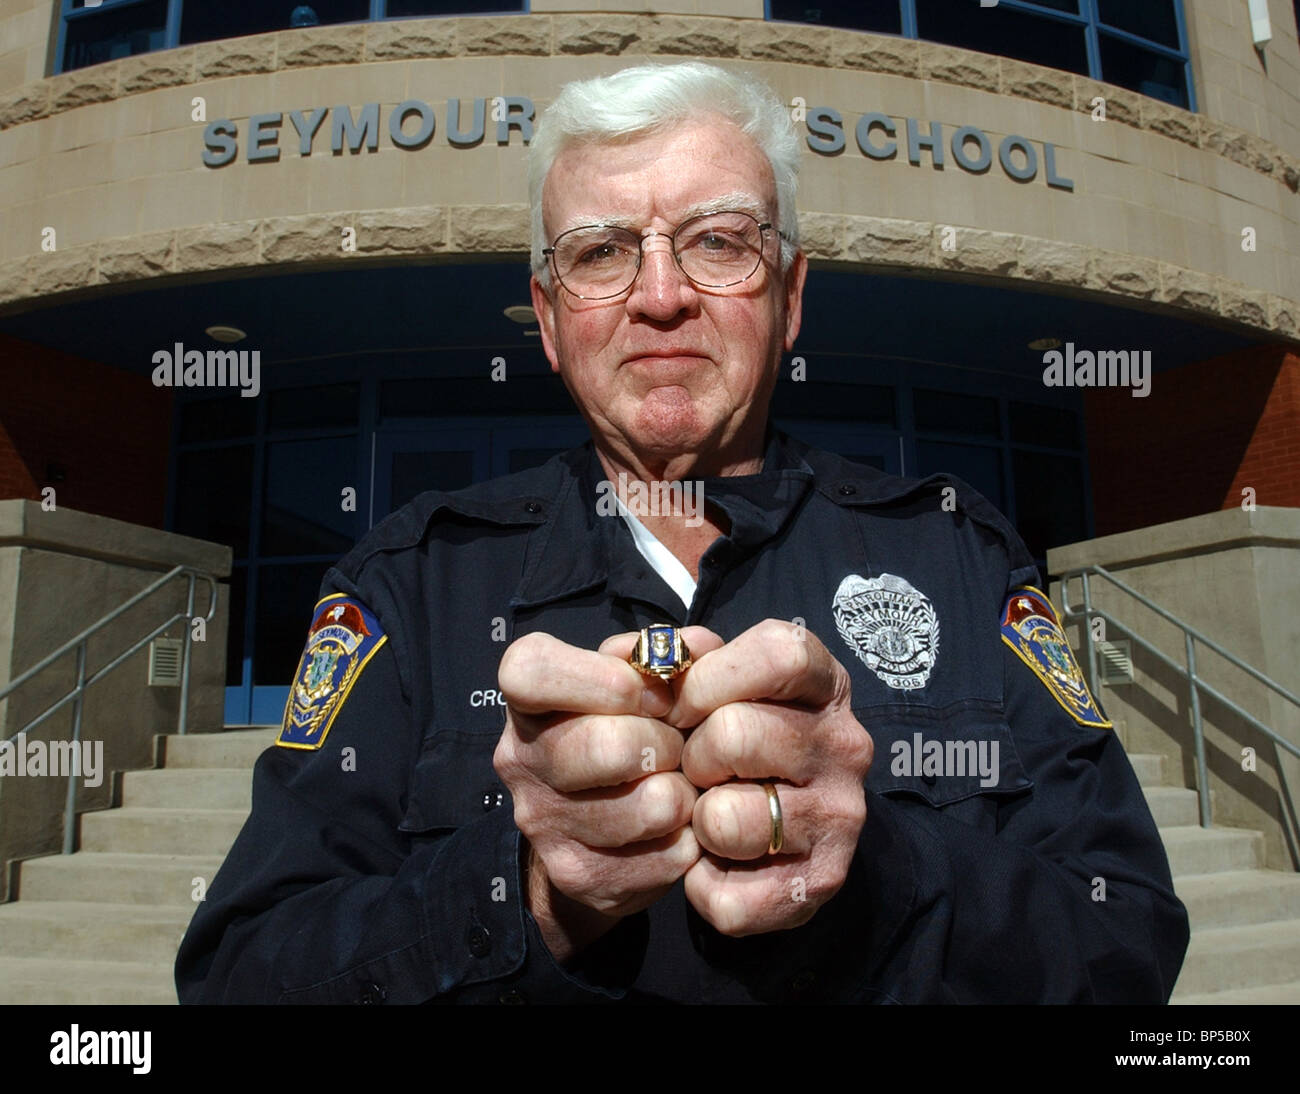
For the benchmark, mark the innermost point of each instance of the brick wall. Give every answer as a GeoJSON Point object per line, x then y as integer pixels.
{"type": "Point", "coordinates": [1206, 431]}
{"type": "Point", "coordinates": [105, 431]}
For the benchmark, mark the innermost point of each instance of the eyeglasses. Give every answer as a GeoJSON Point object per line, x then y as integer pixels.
{"type": "Point", "coordinates": [713, 250]}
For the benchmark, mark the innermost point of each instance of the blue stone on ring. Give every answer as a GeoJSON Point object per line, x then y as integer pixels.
{"type": "Point", "coordinates": [661, 652]}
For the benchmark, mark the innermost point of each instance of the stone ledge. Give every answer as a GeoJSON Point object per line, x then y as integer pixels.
{"type": "Point", "coordinates": [614, 34]}
{"type": "Point", "coordinates": [1029, 81]}
{"type": "Point", "coordinates": [977, 250]}
{"type": "Point", "coordinates": [419, 231]}
{"type": "Point", "coordinates": [1122, 105]}
{"type": "Point", "coordinates": [1265, 526]}
{"type": "Point", "coordinates": [25, 524]}
{"type": "Point", "coordinates": [134, 258]}
{"type": "Point", "coordinates": [788, 42]}
{"type": "Point", "coordinates": [692, 36]}
{"type": "Point", "coordinates": [876, 53]}
{"type": "Point", "coordinates": [586, 34]}
{"type": "Point", "coordinates": [334, 45]}
{"type": "Point", "coordinates": [236, 56]}
{"type": "Point", "coordinates": [149, 71]}
{"type": "Point", "coordinates": [505, 34]}
{"type": "Point", "coordinates": [951, 65]}
{"type": "Point", "coordinates": [410, 39]}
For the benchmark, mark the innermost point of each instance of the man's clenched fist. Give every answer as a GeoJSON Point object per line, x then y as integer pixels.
{"type": "Point", "coordinates": [593, 771]}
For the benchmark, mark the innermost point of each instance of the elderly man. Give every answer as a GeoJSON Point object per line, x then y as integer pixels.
{"type": "Point", "coordinates": [676, 797]}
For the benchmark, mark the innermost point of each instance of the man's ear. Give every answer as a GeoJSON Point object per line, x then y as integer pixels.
{"type": "Point", "coordinates": [545, 309]}
{"type": "Point", "coordinates": [794, 281]}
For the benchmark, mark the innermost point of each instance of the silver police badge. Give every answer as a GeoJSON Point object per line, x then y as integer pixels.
{"type": "Point", "coordinates": [891, 625]}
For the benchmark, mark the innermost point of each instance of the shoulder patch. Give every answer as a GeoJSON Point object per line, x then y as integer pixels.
{"type": "Point", "coordinates": [1029, 627]}
{"type": "Point", "coordinates": [344, 635]}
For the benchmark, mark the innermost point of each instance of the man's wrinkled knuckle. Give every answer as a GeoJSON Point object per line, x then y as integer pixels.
{"type": "Point", "coordinates": [623, 687]}
{"type": "Point", "coordinates": [569, 872]}
{"type": "Point", "coordinates": [660, 804]}
{"type": "Point", "coordinates": [721, 819]}
{"type": "Point", "coordinates": [521, 662]}
{"type": "Point", "coordinates": [728, 914]}
{"type": "Point", "coordinates": [732, 735]}
{"type": "Point", "coordinates": [606, 748]}
{"type": "Point", "coordinates": [786, 654]}
{"type": "Point", "coordinates": [525, 813]}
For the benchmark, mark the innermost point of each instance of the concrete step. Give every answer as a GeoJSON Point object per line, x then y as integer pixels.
{"type": "Point", "coordinates": [1268, 994]}
{"type": "Point", "coordinates": [1196, 850]}
{"type": "Point", "coordinates": [70, 930]}
{"type": "Point", "coordinates": [194, 788]}
{"type": "Point", "coordinates": [51, 980]}
{"type": "Point", "coordinates": [1149, 767]}
{"type": "Point", "coordinates": [234, 748]}
{"type": "Point", "coordinates": [1238, 898]}
{"type": "Point", "coordinates": [1172, 805]}
{"type": "Point", "coordinates": [162, 831]}
{"type": "Point", "coordinates": [1226, 958]}
{"type": "Point", "coordinates": [116, 878]}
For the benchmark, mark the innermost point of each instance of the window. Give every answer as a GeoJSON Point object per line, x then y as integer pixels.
{"type": "Point", "coordinates": [104, 31]}
{"type": "Point", "coordinates": [1023, 33]}
{"type": "Point", "coordinates": [1026, 458]}
{"type": "Point", "coordinates": [1137, 44]}
{"type": "Point", "coordinates": [233, 18]}
{"type": "Point", "coordinates": [107, 33]}
{"type": "Point", "coordinates": [850, 14]}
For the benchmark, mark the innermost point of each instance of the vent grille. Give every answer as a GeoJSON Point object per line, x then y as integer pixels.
{"type": "Point", "coordinates": [165, 663]}
{"type": "Point", "coordinates": [1115, 662]}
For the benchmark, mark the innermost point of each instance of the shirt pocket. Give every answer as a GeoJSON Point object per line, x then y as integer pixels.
{"type": "Point", "coordinates": [943, 755]}
{"type": "Point", "coordinates": [453, 783]}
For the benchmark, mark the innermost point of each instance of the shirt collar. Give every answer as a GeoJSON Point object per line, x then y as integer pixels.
{"type": "Point", "coordinates": [579, 549]}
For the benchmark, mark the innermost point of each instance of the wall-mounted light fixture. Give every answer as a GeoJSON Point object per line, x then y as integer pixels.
{"type": "Point", "coordinates": [1260, 27]}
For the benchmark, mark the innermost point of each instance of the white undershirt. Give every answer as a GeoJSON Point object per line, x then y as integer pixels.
{"type": "Point", "coordinates": [666, 564]}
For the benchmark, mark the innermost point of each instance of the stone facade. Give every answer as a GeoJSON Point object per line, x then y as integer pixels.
{"type": "Point", "coordinates": [109, 157]}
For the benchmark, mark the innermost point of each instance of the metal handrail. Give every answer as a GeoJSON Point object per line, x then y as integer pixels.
{"type": "Point", "coordinates": [76, 695]}
{"type": "Point", "coordinates": [1196, 685]}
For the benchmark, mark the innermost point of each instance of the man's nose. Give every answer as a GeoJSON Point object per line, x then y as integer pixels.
{"type": "Point", "coordinates": [661, 289]}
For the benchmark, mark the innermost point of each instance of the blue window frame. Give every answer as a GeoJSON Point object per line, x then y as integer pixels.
{"type": "Point", "coordinates": [1138, 45]}
{"type": "Point", "coordinates": [92, 31]}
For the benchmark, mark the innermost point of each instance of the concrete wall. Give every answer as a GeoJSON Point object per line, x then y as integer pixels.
{"type": "Point", "coordinates": [110, 157]}
{"type": "Point", "coordinates": [60, 571]}
{"type": "Point", "coordinates": [1235, 577]}
{"type": "Point", "coordinates": [27, 29]}
{"type": "Point", "coordinates": [1236, 84]}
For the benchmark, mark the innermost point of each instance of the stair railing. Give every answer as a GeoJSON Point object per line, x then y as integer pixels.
{"type": "Point", "coordinates": [76, 695]}
{"type": "Point", "coordinates": [1196, 685]}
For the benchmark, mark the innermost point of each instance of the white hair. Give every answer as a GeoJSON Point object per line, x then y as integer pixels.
{"type": "Point", "coordinates": [635, 102]}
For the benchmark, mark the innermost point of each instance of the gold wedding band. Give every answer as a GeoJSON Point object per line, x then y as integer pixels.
{"type": "Point", "coordinates": [660, 651]}
{"type": "Point", "coordinates": [778, 825]}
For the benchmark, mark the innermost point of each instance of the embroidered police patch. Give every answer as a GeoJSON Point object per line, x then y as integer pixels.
{"type": "Point", "coordinates": [891, 626]}
{"type": "Point", "coordinates": [1030, 628]}
{"type": "Point", "coordinates": [343, 637]}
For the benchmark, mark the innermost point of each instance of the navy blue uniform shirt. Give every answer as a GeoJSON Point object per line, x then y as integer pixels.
{"type": "Point", "coordinates": [381, 862]}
